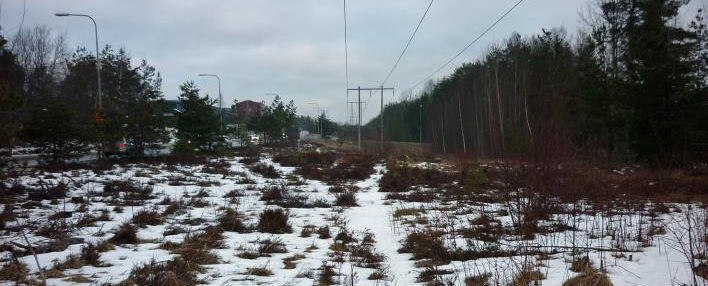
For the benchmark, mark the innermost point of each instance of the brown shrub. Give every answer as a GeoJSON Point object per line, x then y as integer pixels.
{"type": "Point", "coordinates": [307, 230]}
{"type": "Point", "coordinates": [366, 257]}
{"type": "Point", "coordinates": [126, 234]}
{"type": "Point", "coordinates": [377, 275]}
{"type": "Point", "coordinates": [347, 167]}
{"type": "Point", "coordinates": [581, 265]}
{"type": "Point", "coordinates": [231, 221]}
{"type": "Point", "coordinates": [347, 199]}
{"type": "Point", "coordinates": [431, 274]}
{"type": "Point", "coordinates": [269, 246]}
{"type": "Point", "coordinates": [220, 167]}
{"type": "Point", "coordinates": [323, 232]}
{"type": "Point", "coordinates": [259, 271]}
{"type": "Point", "coordinates": [290, 261]}
{"type": "Point", "coordinates": [527, 277]}
{"type": "Point", "coordinates": [211, 237]}
{"type": "Point", "coordinates": [273, 194]}
{"type": "Point", "coordinates": [478, 280]}
{"type": "Point", "coordinates": [426, 244]}
{"type": "Point", "coordinates": [345, 236]}
{"type": "Point", "coordinates": [197, 253]}
{"type": "Point", "coordinates": [54, 192]}
{"type": "Point", "coordinates": [326, 276]}
{"type": "Point", "coordinates": [401, 178]}
{"type": "Point", "coordinates": [589, 278]}
{"type": "Point", "coordinates": [145, 217]}
{"type": "Point", "coordinates": [701, 270]}
{"type": "Point", "coordinates": [14, 271]}
{"type": "Point", "coordinates": [274, 221]}
{"type": "Point", "coordinates": [265, 170]}
{"type": "Point", "coordinates": [177, 272]}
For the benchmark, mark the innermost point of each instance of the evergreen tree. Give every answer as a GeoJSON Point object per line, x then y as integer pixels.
{"type": "Point", "coordinates": [276, 118]}
{"type": "Point", "coordinates": [666, 95]}
{"type": "Point", "coordinates": [53, 129]}
{"type": "Point", "coordinates": [11, 98]}
{"type": "Point", "coordinates": [198, 123]}
{"type": "Point", "coordinates": [132, 99]}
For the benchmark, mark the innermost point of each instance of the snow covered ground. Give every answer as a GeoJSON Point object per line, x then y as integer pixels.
{"type": "Point", "coordinates": [202, 197]}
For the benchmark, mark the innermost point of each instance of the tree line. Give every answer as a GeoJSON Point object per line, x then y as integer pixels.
{"type": "Point", "coordinates": [48, 99]}
{"type": "Point", "coordinates": [632, 85]}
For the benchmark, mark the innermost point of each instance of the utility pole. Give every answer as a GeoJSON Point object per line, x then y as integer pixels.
{"type": "Point", "coordinates": [381, 116]}
{"type": "Point", "coordinates": [358, 128]}
{"type": "Point", "coordinates": [382, 121]}
{"type": "Point", "coordinates": [420, 126]}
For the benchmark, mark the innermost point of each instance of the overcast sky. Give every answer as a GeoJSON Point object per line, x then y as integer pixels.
{"type": "Point", "coordinates": [294, 48]}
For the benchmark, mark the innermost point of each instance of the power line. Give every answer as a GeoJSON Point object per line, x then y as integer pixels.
{"type": "Point", "coordinates": [346, 49]}
{"type": "Point", "coordinates": [470, 44]}
{"type": "Point", "coordinates": [409, 43]}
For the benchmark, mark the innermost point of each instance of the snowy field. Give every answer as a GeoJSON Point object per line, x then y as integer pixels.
{"type": "Point", "coordinates": [233, 221]}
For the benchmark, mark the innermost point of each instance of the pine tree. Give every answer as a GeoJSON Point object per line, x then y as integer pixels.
{"type": "Point", "coordinates": [664, 97]}
{"type": "Point", "coordinates": [276, 118]}
{"type": "Point", "coordinates": [198, 125]}
{"type": "Point", "coordinates": [132, 99]}
{"type": "Point", "coordinates": [11, 98]}
{"type": "Point", "coordinates": [54, 130]}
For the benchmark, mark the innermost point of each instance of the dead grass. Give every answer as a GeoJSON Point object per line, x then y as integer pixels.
{"type": "Point", "coordinates": [323, 232]}
{"type": "Point", "coordinates": [401, 178]}
{"type": "Point", "coordinates": [527, 277]}
{"type": "Point", "coordinates": [144, 218]}
{"type": "Point", "coordinates": [230, 220]}
{"type": "Point", "coordinates": [348, 166]}
{"type": "Point", "coordinates": [265, 170]}
{"type": "Point", "coordinates": [210, 237]}
{"type": "Point", "coordinates": [582, 264]}
{"type": "Point", "coordinates": [126, 234]}
{"type": "Point", "coordinates": [197, 253]}
{"type": "Point", "coordinates": [590, 277]}
{"type": "Point", "coordinates": [701, 270]}
{"type": "Point", "coordinates": [269, 246]}
{"type": "Point", "coordinates": [347, 199]}
{"type": "Point", "coordinates": [274, 221]}
{"type": "Point", "coordinates": [431, 274]}
{"type": "Point", "coordinates": [175, 272]}
{"type": "Point", "coordinates": [478, 280]}
{"type": "Point", "coordinates": [15, 271]}
{"type": "Point", "coordinates": [426, 244]}
{"type": "Point", "coordinates": [290, 262]}
{"type": "Point", "coordinates": [77, 278]}
{"type": "Point", "coordinates": [51, 192]}
{"type": "Point", "coordinates": [259, 271]}
{"type": "Point", "coordinates": [326, 276]}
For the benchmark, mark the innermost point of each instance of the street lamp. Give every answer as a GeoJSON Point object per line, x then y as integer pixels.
{"type": "Point", "coordinates": [318, 116]}
{"type": "Point", "coordinates": [221, 99]}
{"type": "Point", "coordinates": [98, 62]}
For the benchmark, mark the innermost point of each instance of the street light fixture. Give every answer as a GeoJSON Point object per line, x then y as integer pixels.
{"type": "Point", "coordinates": [98, 62]}
{"type": "Point", "coordinates": [221, 99]}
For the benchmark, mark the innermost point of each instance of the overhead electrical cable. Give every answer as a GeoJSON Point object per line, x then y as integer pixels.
{"type": "Point", "coordinates": [470, 44]}
{"type": "Point", "coordinates": [395, 65]}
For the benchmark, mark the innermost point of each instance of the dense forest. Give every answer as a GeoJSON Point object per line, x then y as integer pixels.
{"type": "Point", "coordinates": [631, 86]}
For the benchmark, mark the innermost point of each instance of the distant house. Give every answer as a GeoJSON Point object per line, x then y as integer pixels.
{"type": "Point", "coordinates": [248, 108]}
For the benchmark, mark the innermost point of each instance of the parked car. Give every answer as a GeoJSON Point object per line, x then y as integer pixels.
{"type": "Point", "coordinates": [254, 139]}
{"type": "Point", "coordinates": [116, 149]}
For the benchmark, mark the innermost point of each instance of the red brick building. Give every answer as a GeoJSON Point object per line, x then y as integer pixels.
{"type": "Point", "coordinates": [248, 108]}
